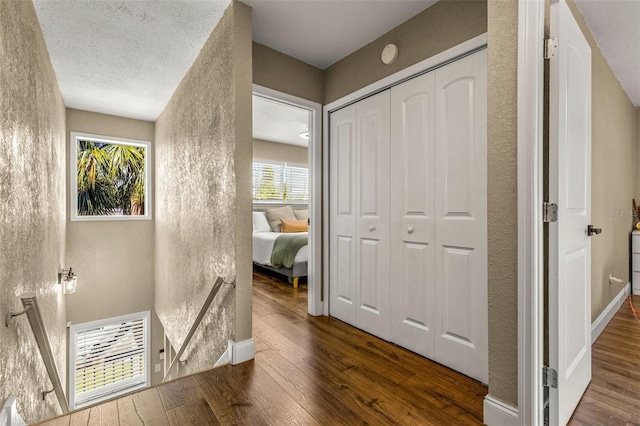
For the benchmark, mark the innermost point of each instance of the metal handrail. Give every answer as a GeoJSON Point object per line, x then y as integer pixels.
{"type": "Point", "coordinates": [194, 326]}
{"type": "Point", "coordinates": [31, 308]}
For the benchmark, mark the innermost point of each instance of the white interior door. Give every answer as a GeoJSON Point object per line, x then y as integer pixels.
{"type": "Point", "coordinates": [461, 216]}
{"type": "Point", "coordinates": [342, 208]}
{"type": "Point", "coordinates": [570, 188]}
{"type": "Point", "coordinates": [372, 228]}
{"type": "Point", "coordinates": [412, 206]}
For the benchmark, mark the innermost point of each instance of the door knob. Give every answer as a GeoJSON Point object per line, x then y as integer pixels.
{"type": "Point", "coordinates": [410, 230]}
{"type": "Point", "coordinates": [592, 231]}
{"type": "Point", "coordinates": [371, 227]}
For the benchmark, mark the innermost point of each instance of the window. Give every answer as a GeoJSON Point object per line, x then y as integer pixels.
{"type": "Point", "coordinates": [108, 358]}
{"type": "Point", "coordinates": [110, 178]}
{"type": "Point", "coordinates": [280, 182]}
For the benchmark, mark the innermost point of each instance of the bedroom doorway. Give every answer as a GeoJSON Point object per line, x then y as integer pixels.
{"type": "Point", "coordinates": [287, 191]}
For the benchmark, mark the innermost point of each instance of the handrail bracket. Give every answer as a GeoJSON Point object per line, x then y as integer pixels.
{"type": "Point", "coordinates": [12, 314]}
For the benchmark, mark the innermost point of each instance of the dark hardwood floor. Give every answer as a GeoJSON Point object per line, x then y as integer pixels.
{"type": "Point", "coordinates": [307, 371]}
{"type": "Point", "coordinates": [613, 396]}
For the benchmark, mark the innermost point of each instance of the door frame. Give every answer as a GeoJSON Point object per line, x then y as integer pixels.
{"type": "Point", "coordinates": [530, 104]}
{"type": "Point", "coordinates": [314, 278]}
{"type": "Point", "coordinates": [463, 49]}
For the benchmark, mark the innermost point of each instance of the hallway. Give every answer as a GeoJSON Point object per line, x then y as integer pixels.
{"type": "Point", "coordinates": [613, 396]}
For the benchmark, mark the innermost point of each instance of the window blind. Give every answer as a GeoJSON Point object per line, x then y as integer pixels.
{"type": "Point", "coordinates": [282, 182]}
{"type": "Point", "coordinates": [108, 357]}
{"type": "Point", "coordinates": [297, 180]}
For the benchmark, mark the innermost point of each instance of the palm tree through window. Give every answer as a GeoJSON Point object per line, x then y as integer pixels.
{"type": "Point", "coordinates": [110, 177]}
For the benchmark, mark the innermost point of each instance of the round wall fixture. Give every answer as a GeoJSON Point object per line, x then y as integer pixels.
{"type": "Point", "coordinates": [389, 54]}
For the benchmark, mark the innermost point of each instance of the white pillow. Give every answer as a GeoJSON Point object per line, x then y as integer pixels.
{"type": "Point", "coordinates": [260, 222]}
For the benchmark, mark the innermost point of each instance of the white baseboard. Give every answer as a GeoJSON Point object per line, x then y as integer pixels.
{"type": "Point", "coordinates": [225, 358]}
{"type": "Point", "coordinates": [498, 413]}
{"type": "Point", "coordinates": [603, 319]}
{"type": "Point", "coordinates": [9, 415]}
{"type": "Point", "coordinates": [242, 351]}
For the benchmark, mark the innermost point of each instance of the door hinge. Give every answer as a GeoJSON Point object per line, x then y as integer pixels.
{"type": "Point", "coordinates": [550, 47]}
{"type": "Point", "coordinates": [549, 377]}
{"type": "Point", "coordinates": [549, 212]}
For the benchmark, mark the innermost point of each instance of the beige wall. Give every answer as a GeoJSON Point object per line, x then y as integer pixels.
{"type": "Point", "coordinates": [243, 77]}
{"type": "Point", "coordinates": [203, 207]}
{"type": "Point", "coordinates": [637, 187]}
{"type": "Point", "coordinates": [113, 259]}
{"type": "Point", "coordinates": [32, 221]}
{"type": "Point", "coordinates": [281, 72]}
{"type": "Point", "coordinates": [438, 28]}
{"type": "Point", "coordinates": [613, 152]}
{"type": "Point", "coordinates": [265, 150]}
{"type": "Point", "coordinates": [502, 200]}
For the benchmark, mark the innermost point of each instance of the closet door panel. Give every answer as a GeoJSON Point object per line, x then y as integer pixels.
{"type": "Point", "coordinates": [372, 313]}
{"type": "Point", "coordinates": [342, 208]}
{"type": "Point", "coordinates": [461, 216]}
{"type": "Point", "coordinates": [412, 210]}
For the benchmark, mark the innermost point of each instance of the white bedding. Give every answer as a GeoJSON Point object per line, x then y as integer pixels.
{"type": "Point", "coordinates": [263, 246]}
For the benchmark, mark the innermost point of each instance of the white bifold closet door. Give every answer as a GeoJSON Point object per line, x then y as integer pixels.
{"type": "Point", "coordinates": [412, 214]}
{"type": "Point", "coordinates": [359, 187]}
{"type": "Point", "coordinates": [461, 325]}
{"type": "Point", "coordinates": [408, 215]}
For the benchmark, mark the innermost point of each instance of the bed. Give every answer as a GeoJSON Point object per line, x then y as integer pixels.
{"type": "Point", "coordinates": [264, 240]}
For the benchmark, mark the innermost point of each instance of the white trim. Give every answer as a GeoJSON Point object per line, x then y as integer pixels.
{"type": "Point", "coordinates": [9, 415]}
{"type": "Point", "coordinates": [242, 351]}
{"type": "Point", "coordinates": [449, 55]}
{"type": "Point", "coordinates": [325, 208]}
{"type": "Point", "coordinates": [73, 177]}
{"type": "Point", "coordinates": [421, 67]}
{"type": "Point", "coordinates": [316, 177]}
{"type": "Point", "coordinates": [497, 413]}
{"type": "Point", "coordinates": [603, 319]}
{"type": "Point", "coordinates": [530, 227]}
{"type": "Point", "coordinates": [225, 358]}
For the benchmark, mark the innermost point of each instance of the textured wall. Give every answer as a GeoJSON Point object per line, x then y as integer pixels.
{"type": "Point", "coordinates": [281, 72]}
{"type": "Point", "coordinates": [637, 177]}
{"type": "Point", "coordinates": [243, 69]}
{"type": "Point", "coordinates": [32, 211]}
{"type": "Point", "coordinates": [113, 259]}
{"type": "Point", "coordinates": [197, 174]}
{"type": "Point", "coordinates": [438, 28]}
{"type": "Point", "coordinates": [266, 150]}
{"type": "Point", "coordinates": [503, 200]}
{"type": "Point", "coordinates": [613, 173]}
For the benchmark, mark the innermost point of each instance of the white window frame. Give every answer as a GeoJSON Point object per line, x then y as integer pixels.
{"type": "Point", "coordinates": [73, 177]}
{"type": "Point", "coordinates": [116, 389]}
{"type": "Point", "coordinates": [285, 164]}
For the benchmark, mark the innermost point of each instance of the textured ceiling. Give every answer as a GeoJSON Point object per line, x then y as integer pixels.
{"type": "Point", "coordinates": [277, 122]}
{"type": "Point", "coordinates": [124, 58]}
{"type": "Point", "coordinates": [321, 32]}
{"type": "Point", "coordinates": [615, 24]}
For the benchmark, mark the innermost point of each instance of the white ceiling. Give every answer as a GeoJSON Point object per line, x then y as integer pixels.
{"type": "Point", "coordinates": [321, 32]}
{"type": "Point", "coordinates": [124, 58]}
{"type": "Point", "coordinates": [615, 24]}
{"type": "Point", "coordinates": [278, 122]}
